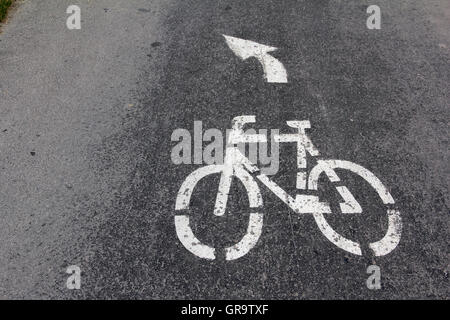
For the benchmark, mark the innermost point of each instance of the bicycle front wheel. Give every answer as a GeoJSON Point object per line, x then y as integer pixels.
{"type": "Point", "coordinates": [392, 236]}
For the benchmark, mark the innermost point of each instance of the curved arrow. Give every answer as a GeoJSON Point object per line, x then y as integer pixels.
{"type": "Point", "coordinates": [274, 70]}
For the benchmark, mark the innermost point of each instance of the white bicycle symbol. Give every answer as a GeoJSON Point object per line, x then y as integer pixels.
{"type": "Point", "coordinates": [237, 165]}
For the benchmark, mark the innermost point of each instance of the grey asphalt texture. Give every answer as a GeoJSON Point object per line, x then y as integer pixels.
{"type": "Point", "coordinates": [86, 118]}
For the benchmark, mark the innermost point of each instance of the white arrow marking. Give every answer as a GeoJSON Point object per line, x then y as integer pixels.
{"type": "Point", "coordinates": [274, 70]}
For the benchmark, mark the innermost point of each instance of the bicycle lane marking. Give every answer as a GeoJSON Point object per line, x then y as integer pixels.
{"type": "Point", "coordinates": [275, 72]}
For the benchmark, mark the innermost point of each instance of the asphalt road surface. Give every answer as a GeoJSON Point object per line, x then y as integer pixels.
{"type": "Point", "coordinates": [86, 118]}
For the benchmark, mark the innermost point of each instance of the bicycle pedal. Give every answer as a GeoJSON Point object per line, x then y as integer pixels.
{"type": "Point", "coordinates": [310, 204]}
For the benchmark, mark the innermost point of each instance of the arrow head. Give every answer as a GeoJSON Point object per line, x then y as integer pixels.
{"type": "Point", "coordinates": [274, 71]}
{"type": "Point", "coordinates": [245, 49]}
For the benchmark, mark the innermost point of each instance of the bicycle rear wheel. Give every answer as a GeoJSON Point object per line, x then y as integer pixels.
{"type": "Point", "coordinates": [182, 222]}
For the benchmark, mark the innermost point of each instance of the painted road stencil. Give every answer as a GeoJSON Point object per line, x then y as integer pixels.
{"type": "Point", "coordinates": [274, 71]}
{"type": "Point", "coordinates": [238, 166]}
